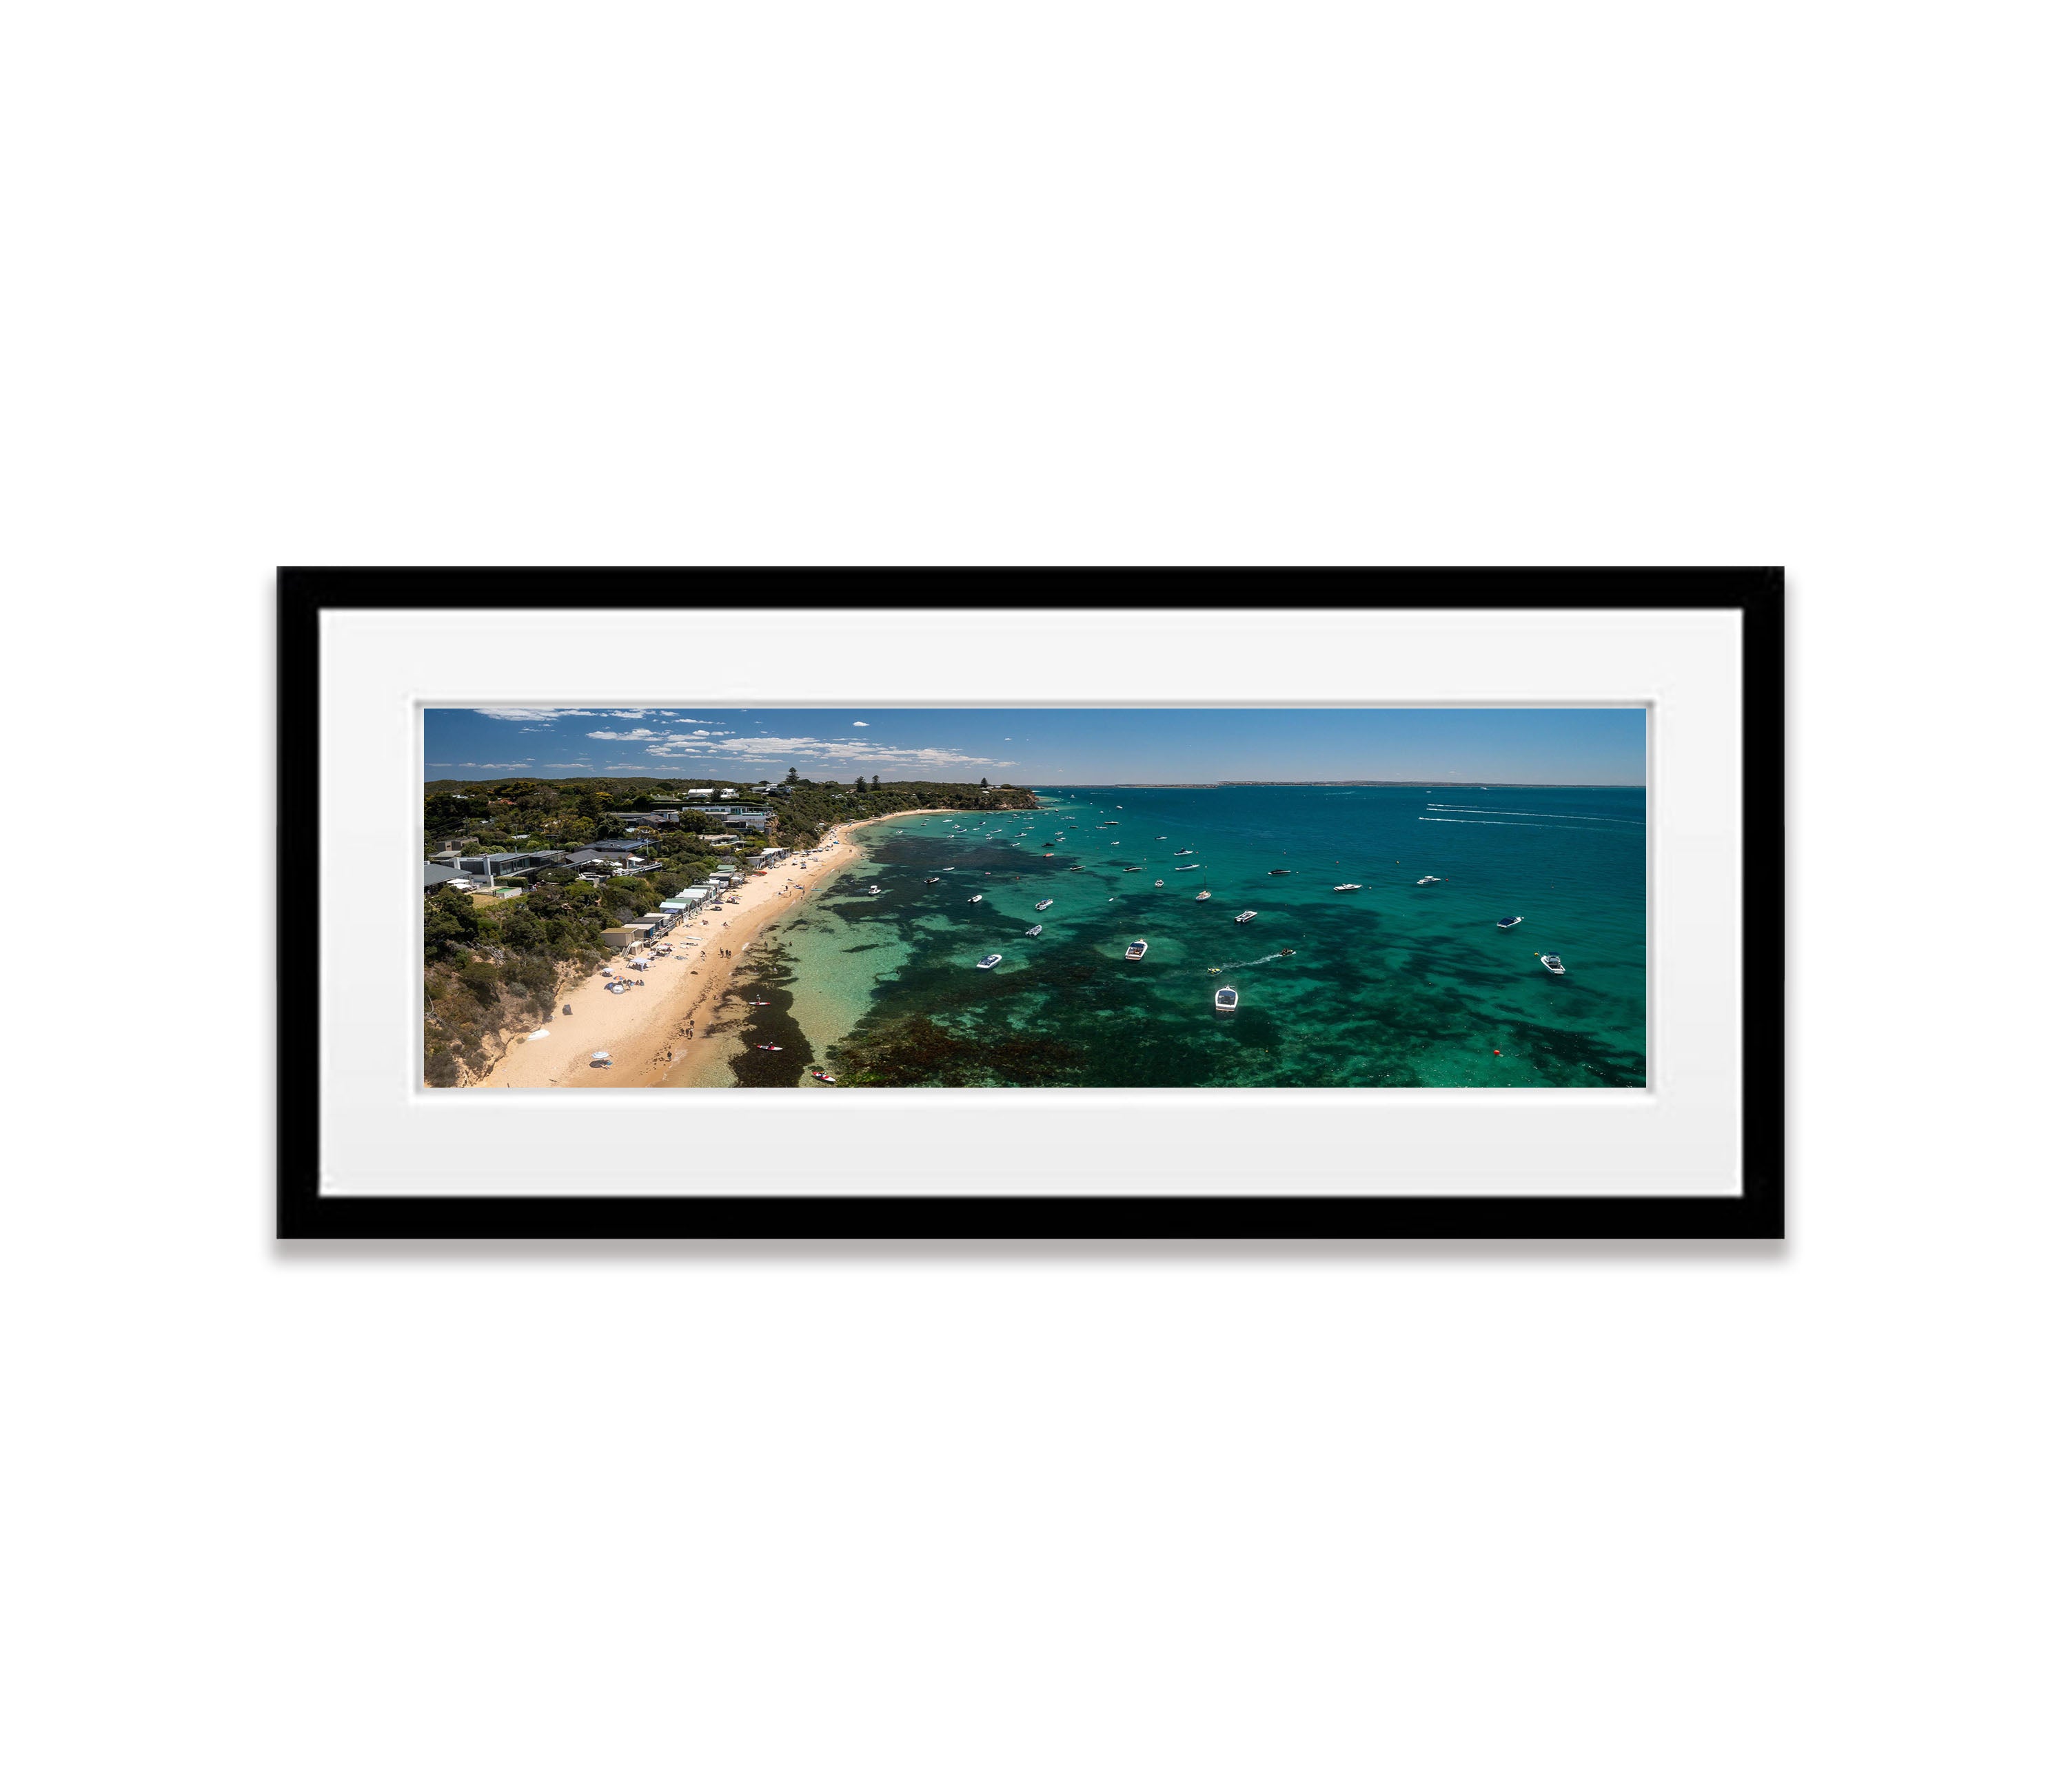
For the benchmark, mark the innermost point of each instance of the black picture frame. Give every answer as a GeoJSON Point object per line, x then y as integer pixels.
{"type": "Point", "coordinates": [306, 592]}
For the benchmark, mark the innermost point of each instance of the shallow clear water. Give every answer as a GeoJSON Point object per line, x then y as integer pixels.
{"type": "Point", "coordinates": [1396, 984]}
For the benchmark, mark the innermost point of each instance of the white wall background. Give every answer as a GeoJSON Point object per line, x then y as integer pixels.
{"type": "Point", "coordinates": [1137, 283]}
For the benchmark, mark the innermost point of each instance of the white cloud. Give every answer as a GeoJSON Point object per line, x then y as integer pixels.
{"type": "Point", "coordinates": [630, 734]}
{"type": "Point", "coordinates": [530, 715]}
{"type": "Point", "coordinates": [861, 725]}
{"type": "Point", "coordinates": [806, 746]}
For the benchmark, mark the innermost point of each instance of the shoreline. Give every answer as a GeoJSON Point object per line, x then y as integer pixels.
{"type": "Point", "coordinates": [657, 1033]}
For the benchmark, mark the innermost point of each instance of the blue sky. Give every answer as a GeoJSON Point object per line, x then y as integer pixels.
{"type": "Point", "coordinates": [1045, 746]}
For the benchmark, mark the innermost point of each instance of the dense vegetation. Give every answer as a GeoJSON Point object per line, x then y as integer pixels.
{"type": "Point", "coordinates": [494, 964]}
{"type": "Point", "coordinates": [805, 811]}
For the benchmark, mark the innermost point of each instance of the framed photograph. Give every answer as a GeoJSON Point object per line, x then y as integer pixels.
{"type": "Point", "coordinates": [1031, 904]}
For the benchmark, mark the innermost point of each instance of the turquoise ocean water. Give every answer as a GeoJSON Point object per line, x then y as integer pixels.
{"type": "Point", "coordinates": [1398, 984]}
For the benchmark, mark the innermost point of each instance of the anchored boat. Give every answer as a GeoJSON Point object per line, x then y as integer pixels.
{"type": "Point", "coordinates": [992, 962]}
{"type": "Point", "coordinates": [1247, 915]}
{"type": "Point", "coordinates": [1043, 904]}
{"type": "Point", "coordinates": [1340, 887]}
{"type": "Point", "coordinates": [1552, 962]}
{"type": "Point", "coordinates": [1034, 932]}
{"type": "Point", "coordinates": [1137, 948]}
{"type": "Point", "coordinates": [1203, 896]}
{"type": "Point", "coordinates": [1509, 920]}
{"type": "Point", "coordinates": [1224, 999]}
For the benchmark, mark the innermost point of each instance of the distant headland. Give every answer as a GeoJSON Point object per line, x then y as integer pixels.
{"type": "Point", "coordinates": [1349, 783]}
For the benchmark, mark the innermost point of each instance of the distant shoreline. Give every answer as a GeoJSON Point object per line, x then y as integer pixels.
{"type": "Point", "coordinates": [1344, 784]}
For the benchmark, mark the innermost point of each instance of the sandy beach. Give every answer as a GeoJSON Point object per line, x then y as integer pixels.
{"type": "Point", "coordinates": [651, 1030]}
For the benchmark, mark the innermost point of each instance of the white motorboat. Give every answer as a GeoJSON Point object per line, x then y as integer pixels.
{"type": "Point", "coordinates": [874, 890]}
{"type": "Point", "coordinates": [1034, 932]}
{"type": "Point", "coordinates": [1340, 887]}
{"type": "Point", "coordinates": [932, 880]}
{"type": "Point", "coordinates": [1159, 882]}
{"type": "Point", "coordinates": [1247, 915]}
{"type": "Point", "coordinates": [1509, 920]}
{"type": "Point", "coordinates": [1552, 962]}
{"type": "Point", "coordinates": [1420, 880]}
{"type": "Point", "coordinates": [1043, 904]}
{"type": "Point", "coordinates": [976, 899]}
{"type": "Point", "coordinates": [1184, 867]}
{"type": "Point", "coordinates": [1203, 896]}
{"type": "Point", "coordinates": [990, 963]}
{"type": "Point", "coordinates": [1225, 999]}
{"type": "Point", "coordinates": [1137, 948]}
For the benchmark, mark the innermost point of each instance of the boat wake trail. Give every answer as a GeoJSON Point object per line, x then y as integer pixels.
{"type": "Point", "coordinates": [1269, 958]}
{"type": "Point", "coordinates": [1468, 820]}
{"type": "Point", "coordinates": [1545, 814]}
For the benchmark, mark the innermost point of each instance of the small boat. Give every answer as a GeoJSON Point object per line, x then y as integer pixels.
{"type": "Point", "coordinates": [1034, 932]}
{"type": "Point", "coordinates": [1340, 887]}
{"type": "Point", "coordinates": [1224, 999]}
{"type": "Point", "coordinates": [1247, 915]}
{"type": "Point", "coordinates": [1552, 962]}
{"type": "Point", "coordinates": [1283, 871]}
{"type": "Point", "coordinates": [1159, 882]}
{"type": "Point", "coordinates": [976, 899]}
{"type": "Point", "coordinates": [1203, 896]}
{"type": "Point", "coordinates": [823, 1076]}
{"type": "Point", "coordinates": [932, 880]}
{"type": "Point", "coordinates": [1422, 880]}
{"type": "Point", "coordinates": [1043, 904]}
{"type": "Point", "coordinates": [992, 962]}
{"type": "Point", "coordinates": [1509, 920]}
{"type": "Point", "coordinates": [874, 891]}
{"type": "Point", "coordinates": [1134, 867]}
{"type": "Point", "coordinates": [1184, 867]}
{"type": "Point", "coordinates": [1185, 852]}
{"type": "Point", "coordinates": [768, 1048]}
{"type": "Point", "coordinates": [599, 1060]}
{"type": "Point", "coordinates": [1137, 948]}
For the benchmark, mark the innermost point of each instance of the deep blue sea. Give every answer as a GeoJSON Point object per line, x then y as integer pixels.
{"type": "Point", "coordinates": [1398, 983]}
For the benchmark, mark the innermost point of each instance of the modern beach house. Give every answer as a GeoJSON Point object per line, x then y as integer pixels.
{"type": "Point", "coordinates": [488, 867]}
{"type": "Point", "coordinates": [736, 814]}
